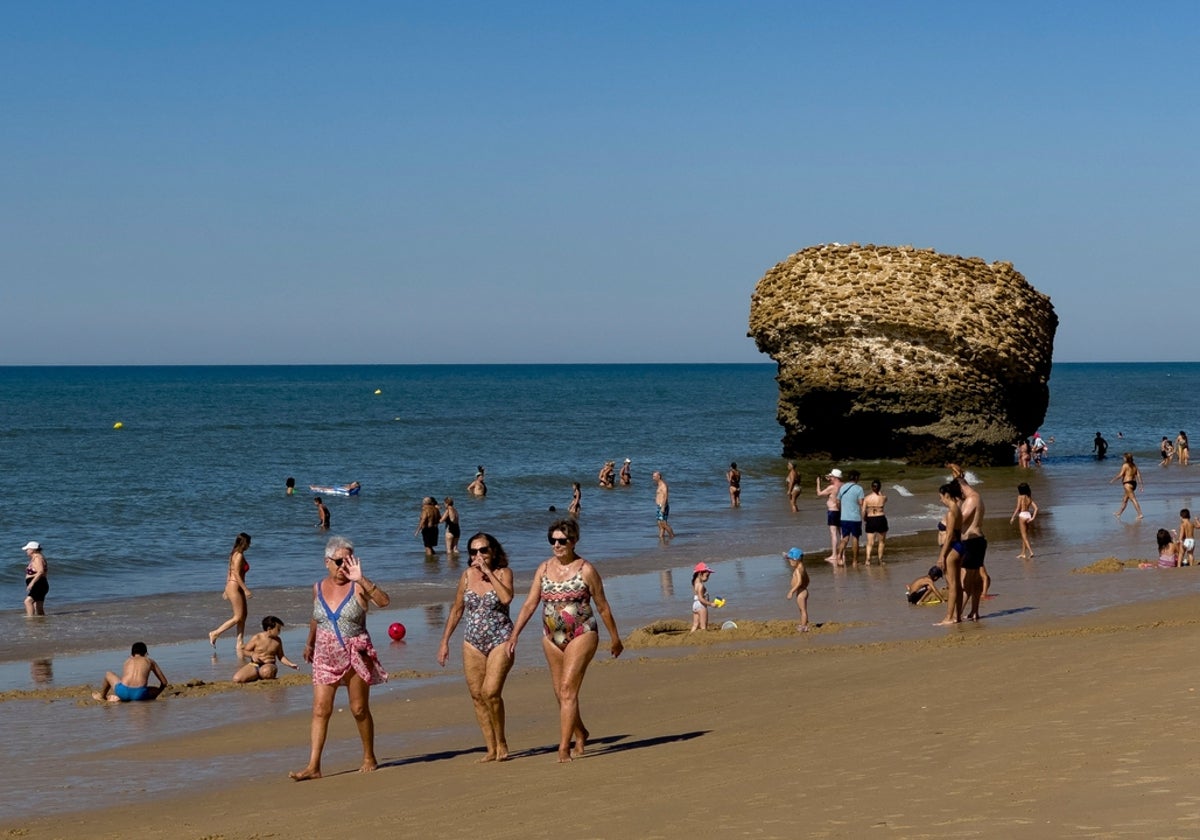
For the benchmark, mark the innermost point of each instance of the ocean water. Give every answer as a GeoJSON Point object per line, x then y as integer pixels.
{"type": "Point", "coordinates": [137, 522]}
{"type": "Point", "coordinates": [137, 518]}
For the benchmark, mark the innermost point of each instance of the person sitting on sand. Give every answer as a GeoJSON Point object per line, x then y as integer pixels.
{"type": "Point", "coordinates": [924, 589]}
{"type": "Point", "coordinates": [133, 684]}
{"type": "Point", "coordinates": [264, 650]}
{"type": "Point", "coordinates": [1168, 550]}
{"type": "Point", "coordinates": [799, 587]}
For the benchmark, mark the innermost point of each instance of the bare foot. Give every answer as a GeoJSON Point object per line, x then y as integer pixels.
{"type": "Point", "coordinates": [96, 696]}
{"type": "Point", "coordinates": [803, 628]}
{"type": "Point", "coordinates": [368, 766]}
{"type": "Point", "coordinates": [973, 617]}
{"type": "Point", "coordinates": [304, 775]}
{"type": "Point", "coordinates": [1139, 516]}
{"type": "Point", "coordinates": [1021, 557]}
{"type": "Point", "coordinates": [564, 758]}
{"type": "Point", "coordinates": [502, 753]}
{"type": "Point", "coordinates": [212, 639]}
{"type": "Point", "coordinates": [946, 622]}
{"type": "Point", "coordinates": [581, 742]}
{"type": "Point", "coordinates": [488, 757]}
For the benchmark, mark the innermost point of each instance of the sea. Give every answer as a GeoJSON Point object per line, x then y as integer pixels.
{"type": "Point", "coordinates": [136, 481]}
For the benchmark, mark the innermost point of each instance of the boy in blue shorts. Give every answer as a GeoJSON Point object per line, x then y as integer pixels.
{"type": "Point", "coordinates": [133, 684]}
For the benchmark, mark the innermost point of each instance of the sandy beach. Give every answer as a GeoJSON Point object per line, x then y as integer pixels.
{"type": "Point", "coordinates": [1070, 728]}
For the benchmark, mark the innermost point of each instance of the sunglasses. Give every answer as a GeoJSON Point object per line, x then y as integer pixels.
{"type": "Point", "coordinates": [337, 561]}
{"type": "Point", "coordinates": [559, 541]}
{"type": "Point", "coordinates": [483, 549]}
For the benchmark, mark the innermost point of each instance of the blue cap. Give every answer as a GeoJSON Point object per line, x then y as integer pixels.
{"type": "Point", "coordinates": [795, 554]}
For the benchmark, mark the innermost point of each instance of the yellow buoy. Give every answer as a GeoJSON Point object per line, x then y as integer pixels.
{"type": "Point", "coordinates": [118, 425]}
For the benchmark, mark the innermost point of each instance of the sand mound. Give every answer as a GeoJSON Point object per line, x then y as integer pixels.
{"type": "Point", "coordinates": [675, 633]}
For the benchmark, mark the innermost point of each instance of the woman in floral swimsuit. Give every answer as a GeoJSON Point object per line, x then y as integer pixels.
{"type": "Point", "coordinates": [484, 592]}
{"type": "Point", "coordinates": [565, 587]}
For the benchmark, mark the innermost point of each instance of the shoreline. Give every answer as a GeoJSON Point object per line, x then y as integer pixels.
{"type": "Point", "coordinates": [835, 740]}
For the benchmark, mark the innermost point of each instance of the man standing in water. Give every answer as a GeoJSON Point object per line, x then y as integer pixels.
{"type": "Point", "coordinates": [1100, 447]}
{"type": "Point", "coordinates": [662, 499]}
{"type": "Point", "coordinates": [322, 514]}
{"type": "Point", "coordinates": [976, 581]}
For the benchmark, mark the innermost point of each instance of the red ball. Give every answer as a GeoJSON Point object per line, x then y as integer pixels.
{"type": "Point", "coordinates": [397, 631]}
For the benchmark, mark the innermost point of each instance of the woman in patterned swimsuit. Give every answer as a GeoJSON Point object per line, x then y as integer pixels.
{"type": "Point", "coordinates": [484, 592]}
{"type": "Point", "coordinates": [564, 586]}
{"type": "Point", "coordinates": [341, 652]}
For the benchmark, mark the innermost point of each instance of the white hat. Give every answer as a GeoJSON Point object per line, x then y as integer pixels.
{"type": "Point", "coordinates": [835, 473]}
{"type": "Point", "coordinates": [32, 546]}
{"type": "Point", "coordinates": [627, 461]}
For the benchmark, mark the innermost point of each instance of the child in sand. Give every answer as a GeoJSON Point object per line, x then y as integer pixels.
{"type": "Point", "coordinates": [924, 589]}
{"type": "Point", "coordinates": [264, 650]}
{"type": "Point", "coordinates": [1187, 537]}
{"type": "Point", "coordinates": [799, 588]}
{"type": "Point", "coordinates": [133, 684]}
{"type": "Point", "coordinates": [1024, 514]}
{"type": "Point", "coordinates": [700, 601]}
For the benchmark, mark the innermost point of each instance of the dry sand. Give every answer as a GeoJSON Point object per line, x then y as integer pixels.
{"type": "Point", "coordinates": [1081, 727]}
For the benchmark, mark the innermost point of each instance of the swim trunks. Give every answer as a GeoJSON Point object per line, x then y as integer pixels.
{"type": "Point", "coordinates": [429, 536]}
{"type": "Point", "coordinates": [833, 518]}
{"type": "Point", "coordinates": [851, 528]}
{"type": "Point", "coordinates": [876, 524]}
{"type": "Point", "coordinates": [131, 695]}
{"type": "Point", "coordinates": [488, 622]}
{"type": "Point", "coordinates": [974, 549]}
{"type": "Point", "coordinates": [566, 610]}
{"type": "Point", "coordinates": [662, 512]}
{"type": "Point", "coordinates": [918, 593]}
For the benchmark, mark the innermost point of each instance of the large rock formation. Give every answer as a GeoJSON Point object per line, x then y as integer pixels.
{"type": "Point", "coordinates": [888, 352]}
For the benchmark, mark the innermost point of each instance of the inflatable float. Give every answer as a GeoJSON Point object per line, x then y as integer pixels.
{"type": "Point", "coordinates": [350, 489]}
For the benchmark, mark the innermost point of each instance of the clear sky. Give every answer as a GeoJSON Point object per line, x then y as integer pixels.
{"type": "Point", "coordinates": [392, 182]}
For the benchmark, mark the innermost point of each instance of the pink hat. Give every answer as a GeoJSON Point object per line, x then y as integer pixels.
{"type": "Point", "coordinates": [701, 567]}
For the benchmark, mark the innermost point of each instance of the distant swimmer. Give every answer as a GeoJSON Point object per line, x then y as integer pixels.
{"type": "Point", "coordinates": [290, 484]}
{"type": "Point", "coordinates": [662, 501]}
{"type": "Point", "coordinates": [1181, 448]}
{"type": "Point", "coordinates": [134, 683]}
{"type": "Point", "coordinates": [478, 487]}
{"type": "Point", "coordinates": [576, 500]}
{"type": "Point", "coordinates": [734, 477]}
{"type": "Point", "coordinates": [626, 474]}
{"type": "Point", "coordinates": [265, 651]}
{"type": "Point", "coordinates": [453, 528]}
{"type": "Point", "coordinates": [427, 524]}
{"type": "Point", "coordinates": [607, 475]}
{"type": "Point", "coordinates": [792, 486]}
{"type": "Point", "coordinates": [1166, 452]}
{"type": "Point", "coordinates": [1100, 447]}
{"type": "Point", "coordinates": [1129, 476]}
{"type": "Point", "coordinates": [322, 514]}
{"type": "Point", "coordinates": [37, 582]}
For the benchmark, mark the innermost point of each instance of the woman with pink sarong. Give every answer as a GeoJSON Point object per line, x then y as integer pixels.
{"type": "Point", "coordinates": [341, 652]}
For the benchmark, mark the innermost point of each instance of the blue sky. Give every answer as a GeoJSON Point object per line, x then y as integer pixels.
{"type": "Point", "coordinates": [574, 182]}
